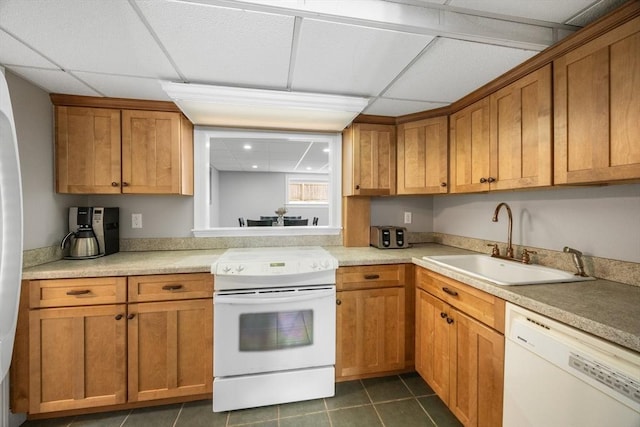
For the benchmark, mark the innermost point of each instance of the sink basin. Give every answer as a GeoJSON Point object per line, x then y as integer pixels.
{"type": "Point", "coordinates": [503, 272]}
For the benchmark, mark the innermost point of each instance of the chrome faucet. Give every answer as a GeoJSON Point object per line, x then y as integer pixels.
{"type": "Point", "coordinates": [576, 260]}
{"type": "Point", "coordinates": [495, 219]}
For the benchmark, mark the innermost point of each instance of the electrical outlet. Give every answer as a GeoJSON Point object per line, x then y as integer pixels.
{"type": "Point", "coordinates": [407, 217]}
{"type": "Point", "coordinates": [136, 220]}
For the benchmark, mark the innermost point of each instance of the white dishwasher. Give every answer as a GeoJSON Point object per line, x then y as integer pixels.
{"type": "Point", "coordinates": [557, 376]}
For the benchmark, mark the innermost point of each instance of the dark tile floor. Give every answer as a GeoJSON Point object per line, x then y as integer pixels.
{"type": "Point", "coordinates": [396, 401]}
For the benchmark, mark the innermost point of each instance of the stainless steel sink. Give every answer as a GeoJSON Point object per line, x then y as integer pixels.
{"type": "Point", "coordinates": [503, 272]}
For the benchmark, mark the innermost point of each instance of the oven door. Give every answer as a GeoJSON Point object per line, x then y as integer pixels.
{"type": "Point", "coordinates": [272, 330]}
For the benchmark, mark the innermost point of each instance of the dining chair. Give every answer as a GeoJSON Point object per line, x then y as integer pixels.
{"type": "Point", "coordinates": [292, 217]}
{"type": "Point", "coordinates": [294, 222]}
{"type": "Point", "coordinates": [270, 218]}
{"type": "Point", "coordinates": [315, 220]}
{"type": "Point", "coordinates": [259, 223]}
{"type": "Point", "coordinates": [241, 221]}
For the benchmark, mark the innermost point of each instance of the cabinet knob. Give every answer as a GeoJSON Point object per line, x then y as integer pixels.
{"type": "Point", "coordinates": [131, 316]}
{"type": "Point", "coordinates": [443, 314]}
{"type": "Point", "coordinates": [125, 184]}
{"type": "Point", "coordinates": [491, 179]}
{"type": "Point", "coordinates": [483, 180]}
{"type": "Point", "coordinates": [449, 320]}
{"type": "Point", "coordinates": [443, 184]}
{"type": "Point", "coordinates": [114, 184]}
{"type": "Point", "coordinates": [357, 186]}
{"type": "Point", "coordinates": [119, 316]}
{"type": "Point", "coordinates": [338, 302]}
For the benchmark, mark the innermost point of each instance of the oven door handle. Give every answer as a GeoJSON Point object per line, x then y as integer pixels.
{"type": "Point", "coordinates": [254, 299]}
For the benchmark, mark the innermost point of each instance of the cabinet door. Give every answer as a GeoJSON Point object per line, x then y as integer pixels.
{"type": "Point", "coordinates": [477, 373]}
{"type": "Point", "coordinates": [435, 343]}
{"type": "Point", "coordinates": [87, 150]}
{"type": "Point", "coordinates": [596, 109]}
{"type": "Point", "coordinates": [370, 331]}
{"type": "Point", "coordinates": [369, 160]}
{"type": "Point", "coordinates": [469, 150]}
{"type": "Point", "coordinates": [151, 152]}
{"type": "Point", "coordinates": [77, 357]}
{"type": "Point", "coordinates": [521, 153]}
{"type": "Point", "coordinates": [170, 349]}
{"type": "Point", "coordinates": [422, 156]}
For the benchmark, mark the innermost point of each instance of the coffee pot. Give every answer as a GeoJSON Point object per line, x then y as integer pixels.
{"type": "Point", "coordinates": [84, 243]}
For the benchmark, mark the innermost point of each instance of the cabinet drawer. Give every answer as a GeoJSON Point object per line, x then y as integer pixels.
{"type": "Point", "coordinates": [76, 292]}
{"type": "Point", "coordinates": [165, 287]}
{"type": "Point", "coordinates": [480, 305]}
{"type": "Point", "coordinates": [370, 276]}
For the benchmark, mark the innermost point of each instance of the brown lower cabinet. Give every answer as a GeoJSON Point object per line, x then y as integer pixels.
{"type": "Point", "coordinates": [374, 316]}
{"type": "Point", "coordinates": [90, 346]}
{"type": "Point", "coordinates": [457, 354]}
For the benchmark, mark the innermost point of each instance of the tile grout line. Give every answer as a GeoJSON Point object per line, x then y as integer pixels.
{"type": "Point", "coordinates": [372, 404]}
{"type": "Point", "coordinates": [175, 422]}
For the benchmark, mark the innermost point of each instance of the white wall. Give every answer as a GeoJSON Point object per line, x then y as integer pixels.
{"type": "Point", "coordinates": [45, 212]}
{"type": "Point", "coordinates": [599, 221]}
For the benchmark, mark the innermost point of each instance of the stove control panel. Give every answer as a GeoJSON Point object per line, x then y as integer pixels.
{"type": "Point", "coordinates": [272, 268]}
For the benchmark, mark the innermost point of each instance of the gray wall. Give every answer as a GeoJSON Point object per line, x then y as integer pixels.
{"type": "Point", "coordinates": [45, 212]}
{"type": "Point", "coordinates": [390, 211]}
{"type": "Point", "coordinates": [162, 216]}
{"type": "Point", "coordinates": [252, 194]}
{"type": "Point", "coordinates": [599, 221]}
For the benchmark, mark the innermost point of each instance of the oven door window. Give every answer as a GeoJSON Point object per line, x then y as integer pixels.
{"type": "Point", "coordinates": [276, 331]}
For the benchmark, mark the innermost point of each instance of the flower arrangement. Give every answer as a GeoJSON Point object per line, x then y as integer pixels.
{"type": "Point", "coordinates": [281, 211]}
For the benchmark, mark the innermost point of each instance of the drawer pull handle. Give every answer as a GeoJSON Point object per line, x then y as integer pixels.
{"type": "Point", "coordinates": [79, 292]}
{"type": "Point", "coordinates": [449, 320]}
{"type": "Point", "coordinates": [119, 316]}
{"type": "Point", "coordinates": [131, 316]}
{"type": "Point", "coordinates": [450, 292]}
{"type": "Point", "coordinates": [443, 314]}
{"type": "Point", "coordinates": [171, 287]}
{"type": "Point", "coordinates": [371, 276]}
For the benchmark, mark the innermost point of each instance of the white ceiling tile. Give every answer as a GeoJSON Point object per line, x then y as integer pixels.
{"type": "Point", "coordinates": [15, 53]}
{"type": "Point", "coordinates": [398, 107]}
{"type": "Point", "coordinates": [98, 36]}
{"type": "Point", "coordinates": [54, 81]}
{"type": "Point", "coordinates": [222, 45]}
{"type": "Point", "coordinates": [124, 86]}
{"type": "Point", "coordinates": [451, 69]}
{"type": "Point", "coordinates": [544, 10]}
{"type": "Point", "coordinates": [348, 59]}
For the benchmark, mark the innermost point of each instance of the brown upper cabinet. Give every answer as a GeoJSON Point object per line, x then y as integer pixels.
{"type": "Point", "coordinates": [597, 109]}
{"type": "Point", "coordinates": [112, 151]}
{"type": "Point", "coordinates": [503, 141]}
{"type": "Point", "coordinates": [369, 160]}
{"type": "Point", "coordinates": [422, 156]}
{"type": "Point", "coordinates": [469, 148]}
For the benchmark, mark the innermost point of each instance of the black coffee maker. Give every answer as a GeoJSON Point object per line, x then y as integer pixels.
{"type": "Point", "coordinates": [93, 232]}
{"type": "Point", "coordinates": [82, 240]}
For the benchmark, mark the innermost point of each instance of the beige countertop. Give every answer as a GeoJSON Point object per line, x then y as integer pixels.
{"type": "Point", "coordinates": [603, 308]}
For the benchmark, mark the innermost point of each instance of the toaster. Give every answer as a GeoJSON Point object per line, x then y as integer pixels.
{"type": "Point", "coordinates": [388, 237]}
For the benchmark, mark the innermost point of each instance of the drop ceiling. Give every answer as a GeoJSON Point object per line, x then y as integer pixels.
{"type": "Point", "coordinates": [406, 56]}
